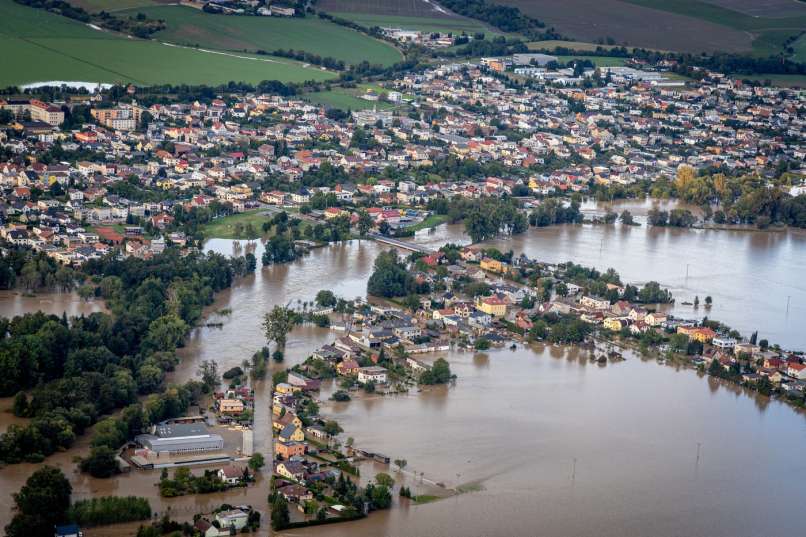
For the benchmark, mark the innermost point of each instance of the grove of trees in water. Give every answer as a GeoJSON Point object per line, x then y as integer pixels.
{"type": "Point", "coordinates": [77, 369]}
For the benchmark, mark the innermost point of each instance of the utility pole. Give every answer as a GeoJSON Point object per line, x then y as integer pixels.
{"type": "Point", "coordinates": [574, 470]}
{"type": "Point", "coordinates": [788, 298]}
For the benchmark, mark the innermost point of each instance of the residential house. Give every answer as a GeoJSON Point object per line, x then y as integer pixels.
{"type": "Point", "coordinates": [375, 374]}
{"type": "Point", "coordinates": [492, 305]}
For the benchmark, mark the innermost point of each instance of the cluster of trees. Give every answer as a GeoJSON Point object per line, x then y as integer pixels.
{"type": "Point", "coordinates": [440, 373]}
{"type": "Point", "coordinates": [41, 504]}
{"type": "Point", "coordinates": [325, 61]}
{"type": "Point", "coordinates": [566, 329]}
{"type": "Point", "coordinates": [109, 510]}
{"type": "Point", "coordinates": [484, 218]}
{"type": "Point", "coordinates": [34, 271]}
{"type": "Point", "coordinates": [673, 218]}
{"type": "Point", "coordinates": [553, 211]}
{"type": "Point", "coordinates": [505, 18]}
{"type": "Point", "coordinates": [184, 482]}
{"type": "Point", "coordinates": [81, 368]}
{"type": "Point", "coordinates": [390, 278]}
{"type": "Point", "coordinates": [279, 249]}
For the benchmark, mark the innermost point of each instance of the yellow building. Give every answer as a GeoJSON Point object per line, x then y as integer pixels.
{"type": "Point", "coordinates": [291, 433]}
{"type": "Point", "coordinates": [493, 265]}
{"type": "Point", "coordinates": [492, 305]}
{"type": "Point", "coordinates": [286, 388]}
{"type": "Point", "coordinates": [230, 406]}
{"type": "Point", "coordinates": [613, 323]}
{"type": "Point", "coordinates": [288, 418]}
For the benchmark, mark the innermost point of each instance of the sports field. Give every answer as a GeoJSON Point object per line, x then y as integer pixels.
{"type": "Point", "coordinates": [38, 46]}
{"type": "Point", "coordinates": [190, 26]}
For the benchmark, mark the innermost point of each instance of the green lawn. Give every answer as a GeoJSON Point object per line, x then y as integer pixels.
{"type": "Point", "coordinates": [598, 61]}
{"type": "Point", "coordinates": [423, 24]}
{"type": "Point", "coordinates": [431, 221]}
{"type": "Point", "coordinates": [190, 26]}
{"type": "Point", "coordinates": [349, 98]}
{"type": "Point", "coordinates": [224, 228]}
{"type": "Point", "coordinates": [40, 46]}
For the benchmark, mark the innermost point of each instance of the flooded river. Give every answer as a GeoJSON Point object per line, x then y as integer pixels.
{"type": "Point", "coordinates": [513, 425]}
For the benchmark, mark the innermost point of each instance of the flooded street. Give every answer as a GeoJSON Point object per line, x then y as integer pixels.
{"type": "Point", "coordinates": [511, 428]}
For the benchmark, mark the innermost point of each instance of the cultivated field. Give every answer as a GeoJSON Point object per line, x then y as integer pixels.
{"type": "Point", "coordinates": [422, 15]}
{"type": "Point", "coordinates": [38, 46]}
{"type": "Point", "coordinates": [194, 27]}
{"type": "Point", "coordinates": [684, 25]}
{"type": "Point", "coordinates": [400, 8]}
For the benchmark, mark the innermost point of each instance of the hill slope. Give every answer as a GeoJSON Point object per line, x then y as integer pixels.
{"type": "Point", "coordinates": [226, 32]}
{"type": "Point", "coordinates": [40, 46]}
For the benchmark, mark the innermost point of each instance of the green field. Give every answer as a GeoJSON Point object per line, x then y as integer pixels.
{"type": "Point", "coordinates": [349, 98]}
{"type": "Point", "coordinates": [800, 49]}
{"type": "Point", "coordinates": [225, 32]}
{"type": "Point", "coordinates": [38, 46]}
{"type": "Point", "coordinates": [598, 61]}
{"type": "Point", "coordinates": [94, 6]}
{"type": "Point", "coordinates": [783, 81]}
{"type": "Point", "coordinates": [425, 24]}
{"type": "Point", "coordinates": [224, 228]}
{"type": "Point", "coordinates": [769, 32]}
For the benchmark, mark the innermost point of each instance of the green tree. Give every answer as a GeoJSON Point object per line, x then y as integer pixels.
{"type": "Point", "coordinates": [256, 462]}
{"type": "Point", "coordinates": [326, 299]}
{"type": "Point", "coordinates": [101, 462]}
{"type": "Point", "coordinates": [384, 479]}
{"type": "Point", "coordinates": [364, 223]}
{"type": "Point", "coordinates": [390, 278]}
{"type": "Point", "coordinates": [208, 371]}
{"type": "Point", "coordinates": [279, 513]}
{"type": "Point", "coordinates": [277, 324]}
{"type": "Point", "coordinates": [41, 504]}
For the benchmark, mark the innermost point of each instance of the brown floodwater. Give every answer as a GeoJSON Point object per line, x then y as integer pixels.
{"type": "Point", "coordinates": [754, 277]}
{"type": "Point", "coordinates": [512, 426]}
{"type": "Point", "coordinates": [551, 444]}
{"type": "Point", "coordinates": [14, 302]}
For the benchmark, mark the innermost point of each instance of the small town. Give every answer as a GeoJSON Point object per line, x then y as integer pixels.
{"type": "Point", "coordinates": [251, 307]}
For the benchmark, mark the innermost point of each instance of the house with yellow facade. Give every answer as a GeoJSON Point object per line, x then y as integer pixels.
{"type": "Point", "coordinates": [291, 433]}
{"type": "Point", "coordinates": [493, 265]}
{"type": "Point", "coordinates": [614, 323]}
{"type": "Point", "coordinates": [703, 335]}
{"type": "Point", "coordinates": [492, 305]}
